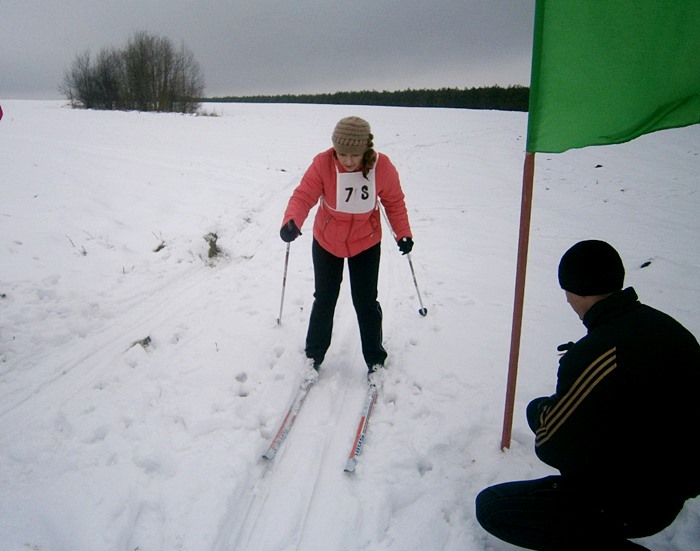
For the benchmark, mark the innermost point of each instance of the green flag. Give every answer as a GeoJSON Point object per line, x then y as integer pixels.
{"type": "Point", "coordinates": [608, 71]}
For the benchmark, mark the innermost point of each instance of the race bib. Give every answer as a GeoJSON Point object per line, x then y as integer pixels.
{"type": "Point", "coordinates": [355, 193]}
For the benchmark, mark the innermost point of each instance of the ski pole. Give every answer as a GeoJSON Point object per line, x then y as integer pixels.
{"type": "Point", "coordinates": [284, 283]}
{"type": "Point", "coordinates": [423, 310]}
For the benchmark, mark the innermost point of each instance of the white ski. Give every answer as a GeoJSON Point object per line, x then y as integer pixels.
{"type": "Point", "coordinates": [291, 416]}
{"type": "Point", "coordinates": [370, 400]}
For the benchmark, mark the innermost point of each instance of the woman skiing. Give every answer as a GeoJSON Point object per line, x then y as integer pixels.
{"type": "Point", "coordinates": [349, 180]}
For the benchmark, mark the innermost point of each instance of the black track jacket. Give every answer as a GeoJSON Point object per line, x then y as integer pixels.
{"type": "Point", "coordinates": [626, 413]}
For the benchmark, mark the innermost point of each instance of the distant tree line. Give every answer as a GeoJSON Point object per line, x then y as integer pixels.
{"type": "Point", "coordinates": [148, 74]}
{"type": "Point", "coordinates": [511, 98]}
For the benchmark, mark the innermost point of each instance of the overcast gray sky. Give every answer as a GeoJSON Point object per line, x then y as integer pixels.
{"type": "Point", "coordinates": [252, 47]}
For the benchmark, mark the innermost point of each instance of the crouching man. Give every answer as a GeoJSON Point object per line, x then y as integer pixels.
{"type": "Point", "coordinates": [619, 427]}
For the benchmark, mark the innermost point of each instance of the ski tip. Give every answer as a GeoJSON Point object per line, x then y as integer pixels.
{"type": "Point", "coordinates": [350, 465]}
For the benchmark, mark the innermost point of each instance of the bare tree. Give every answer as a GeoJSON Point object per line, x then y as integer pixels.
{"type": "Point", "coordinates": [78, 82]}
{"type": "Point", "coordinates": [108, 74]}
{"type": "Point", "coordinates": [138, 56]}
{"type": "Point", "coordinates": [147, 75]}
{"type": "Point", "coordinates": [190, 81]}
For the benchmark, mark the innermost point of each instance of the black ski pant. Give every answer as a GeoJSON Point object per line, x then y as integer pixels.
{"type": "Point", "coordinates": [549, 514]}
{"type": "Point", "coordinates": [364, 276]}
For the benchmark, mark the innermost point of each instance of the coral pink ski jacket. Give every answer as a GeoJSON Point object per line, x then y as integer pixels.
{"type": "Point", "coordinates": [340, 233]}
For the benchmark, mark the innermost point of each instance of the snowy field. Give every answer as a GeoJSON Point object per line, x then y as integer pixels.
{"type": "Point", "coordinates": [111, 445]}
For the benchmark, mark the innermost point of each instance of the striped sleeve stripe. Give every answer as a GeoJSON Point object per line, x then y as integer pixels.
{"type": "Point", "coordinates": [553, 419]}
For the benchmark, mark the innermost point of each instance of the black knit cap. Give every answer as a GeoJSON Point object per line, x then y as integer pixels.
{"type": "Point", "coordinates": [591, 268]}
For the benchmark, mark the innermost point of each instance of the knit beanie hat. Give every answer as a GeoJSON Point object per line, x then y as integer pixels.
{"type": "Point", "coordinates": [352, 136]}
{"type": "Point", "coordinates": [591, 268]}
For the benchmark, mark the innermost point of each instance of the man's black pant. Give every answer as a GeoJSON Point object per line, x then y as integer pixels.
{"type": "Point", "coordinates": [548, 514]}
{"type": "Point", "coordinates": [364, 275]}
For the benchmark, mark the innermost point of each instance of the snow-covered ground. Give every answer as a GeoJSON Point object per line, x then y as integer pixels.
{"type": "Point", "coordinates": [108, 445]}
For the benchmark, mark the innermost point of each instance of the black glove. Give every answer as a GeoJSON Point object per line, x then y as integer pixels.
{"type": "Point", "coordinates": [289, 232]}
{"type": "Point", "coordinates": [405, 245]}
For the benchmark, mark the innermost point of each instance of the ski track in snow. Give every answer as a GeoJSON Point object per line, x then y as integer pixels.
{"type": "Point", "coordinates": [294, 486]}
